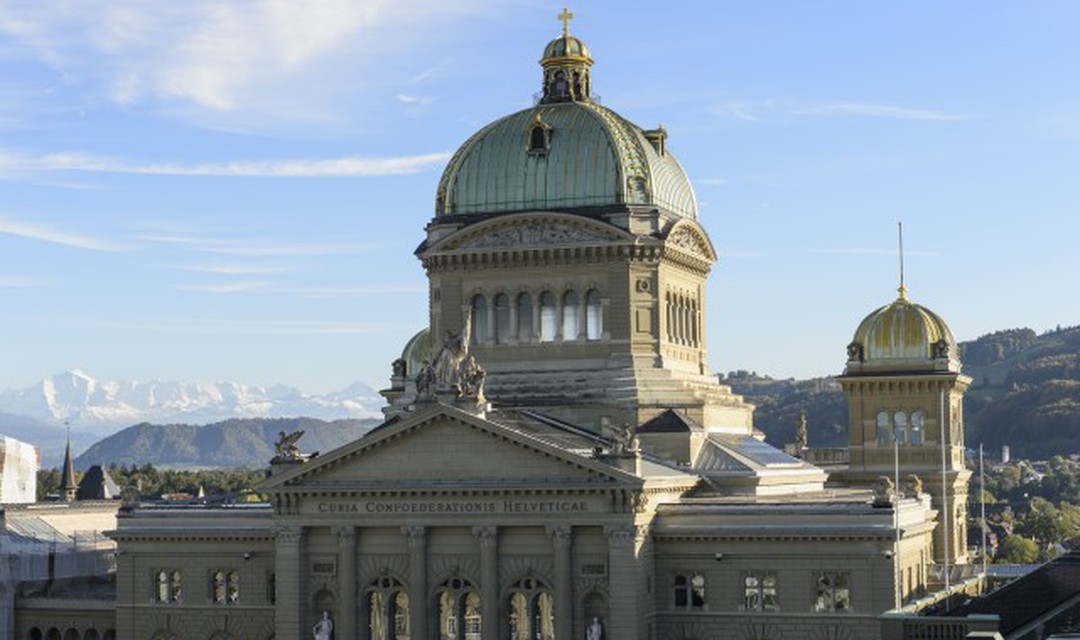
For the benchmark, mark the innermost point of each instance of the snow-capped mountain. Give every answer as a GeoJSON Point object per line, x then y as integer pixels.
{"type": "Point", "coordinates": [104, 407]}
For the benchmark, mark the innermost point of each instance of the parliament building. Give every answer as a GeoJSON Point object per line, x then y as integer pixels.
{"type": "Point", "coordinates": [557, 461]}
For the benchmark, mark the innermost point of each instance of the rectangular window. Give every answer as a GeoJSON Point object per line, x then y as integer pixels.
{"type": "Point", "coordinates": [759, 592]}
{"type": "Point", "coordinates": [832, 591]}
{"type": "Point", "coordinates": [168, 586]}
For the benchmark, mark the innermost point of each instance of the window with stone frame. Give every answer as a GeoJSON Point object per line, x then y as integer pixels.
{"type": "Point", "coordinates": [832, 591]}
{"type": "Point", "coordinates": [759, 591]}
{"type": "Point", "coordinates": [225, 586]}
{"type": "Point", "coordinates": [168, 586]}
{"type": "Point", "coordinates": [689, 591]}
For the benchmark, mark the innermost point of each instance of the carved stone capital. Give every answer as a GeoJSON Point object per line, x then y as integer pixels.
{"type": "Point", "coordinates": [620, 535]}
{"type": "Point", "coordinates": [290, 535]}
{"type": "Point", "coordinates": [416, 536]}
{"type": "Point", "coordinates": [346, 536]}
{"type": "Point", "coordinates": [487, 535]}
{"type": "Point", "coordinates": [560, 534]}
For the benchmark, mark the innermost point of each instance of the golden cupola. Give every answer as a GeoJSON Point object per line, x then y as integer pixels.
{"type": "Point", "coordinates": [902, 336]}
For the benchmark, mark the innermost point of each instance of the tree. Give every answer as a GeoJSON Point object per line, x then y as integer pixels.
{"type": "Point", "coordinates": [1017, 549]}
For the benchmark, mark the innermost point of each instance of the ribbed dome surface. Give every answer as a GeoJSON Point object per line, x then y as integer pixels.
{"type": "Point", "coordinates": [565, 47]}
{"type": "Point", "coordinates": [904, 333]}
{"type": "Point", "coordinates": [594, 157]}
{"type": "Point", "coordinates": [416, 351]}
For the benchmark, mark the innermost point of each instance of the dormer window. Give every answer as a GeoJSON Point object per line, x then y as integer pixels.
{"type": "Point", "coordinates": [539, 137]}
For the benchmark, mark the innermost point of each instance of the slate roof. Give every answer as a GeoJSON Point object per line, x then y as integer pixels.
{"type": "Point", "coordinates": [1031, 596]}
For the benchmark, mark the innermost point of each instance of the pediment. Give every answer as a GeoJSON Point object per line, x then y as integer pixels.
{"type": "Point", "coordinates": [449, 448]}
{"type": "Point", "coordinates": [531, 230]}
{"type": "Point", "coordinates": [687, 236]}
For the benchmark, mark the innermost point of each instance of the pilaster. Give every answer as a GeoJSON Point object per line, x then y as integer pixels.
{"type": "Point", "coordinates": [418, 601]}
{"type": "Point", "coordinates": [561, 543]}
{"type": "Point", "coordinates": [346, 627]}
{"type": "Point", "coordinates": [488, 538]}
{"type": "Point", "coordinates": [288, 567]}
{"type": "Point", "coordinates": [622, 583]}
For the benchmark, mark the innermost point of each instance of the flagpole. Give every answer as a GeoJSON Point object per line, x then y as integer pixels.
{"type": "Point", "coordinates": [982, 506]}
{"type": "Point", "coordinates": [944, 496]}
{"type": "Point", "coordinates": [896, 518]}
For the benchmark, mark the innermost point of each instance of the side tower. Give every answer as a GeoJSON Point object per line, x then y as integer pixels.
{"type": "Point", "coordinates": [566, 253]}
{"type": "Point", "coordinates": [905, 399]}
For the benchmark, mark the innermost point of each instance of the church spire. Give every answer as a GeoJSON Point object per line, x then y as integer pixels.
{"type": "Point", "coordinates": [566, 65]}
{"type": "Point", "coordinates": [68, 488]}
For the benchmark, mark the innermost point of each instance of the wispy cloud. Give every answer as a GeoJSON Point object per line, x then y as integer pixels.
{"type": "Point", "coordinates": [414, 100]}
{"type": "Point", "coordinates": [221, 56]}
{"type": "Point", "coordinates": [330, 167]}
{"type": "Point", "coordinates": [240, 286]}
{"type": "Point", "coordinates": [46, 233]}
{"type": "Point", "coordinates": [753, 111]}
{"type": "Point", "coordinates": [871, 251]}
{"type": "Point", "coordinates": [359, 292]}
{"type": "Point", "coordinates": [713, 182]}
{"type": "Point", "coordinates": [251, 247]}
{"type": "Point", "coordinates": [877, 111]}
{"type": "Point", "coordinates": [235, 269]}
{"type": "Point", "coordinates": [18, 282]}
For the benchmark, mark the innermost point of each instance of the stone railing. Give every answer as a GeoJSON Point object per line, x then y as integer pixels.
{"type": "Point", "coordinates": [896, 626]}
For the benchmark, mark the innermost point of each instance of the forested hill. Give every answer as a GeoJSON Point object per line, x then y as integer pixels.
{"type": "Point", "coordinates": [1025, 393]}
{"type": "Point", "coordinates": [229, 444]}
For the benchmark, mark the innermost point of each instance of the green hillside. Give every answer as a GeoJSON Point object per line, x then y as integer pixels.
{"type": "Point", "coordinates": [1025, 393]}
{"type": "Point", "coordinates": [229, 444]}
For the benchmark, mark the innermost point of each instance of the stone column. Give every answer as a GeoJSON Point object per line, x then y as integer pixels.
{"type": "Point", "coordinates": [288, 582]}
{"type": "Point", "coordinates": [561, 538]}
{"type": "Point", "coordinates": [514, 321]}
{"type": "Point", "coordinates": [346, 624]}
{"type": "Point", "coordinates": [623, 580]}
{"type": "Point", "coordinates": [489, 581]}
{"type": "Point", "coordinates": [536, 331]}
{"type": "Point", "coordinates": [418, 600]}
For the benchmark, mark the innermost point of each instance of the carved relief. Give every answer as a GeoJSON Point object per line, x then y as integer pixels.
{"type": "Point", "coordinates": [289, 535]}
{"type": "Point", "coordinates": [560, 534]}
{"type": "Point", "coordinates": [685, 239]}
{"type": "Point", "coordinates": [415, 536]}
{"type": "Point", "coordinates": [532, 233]}
{"type": "Point", "coordinates": [487, 536]}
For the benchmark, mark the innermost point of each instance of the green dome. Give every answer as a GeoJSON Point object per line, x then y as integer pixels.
{"type": "Point", "coordinates": [903, 335]}
{"type": "Point", "coordinates": [563, 155]}
{"type": "Point", "coordinates": [416, 352]}
{"type": "Point", "coordinates": [565, 46]}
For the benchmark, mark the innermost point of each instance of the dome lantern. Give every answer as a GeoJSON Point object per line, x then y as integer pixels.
{"type": "Point", "coordinates": [566, 65]}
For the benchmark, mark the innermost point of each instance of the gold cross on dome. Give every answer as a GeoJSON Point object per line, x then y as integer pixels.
{"type": "Point", "coordinates": [566, 17]}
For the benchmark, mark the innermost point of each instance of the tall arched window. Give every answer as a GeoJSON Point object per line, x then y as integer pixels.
{"type": "Point", "coordinates": [502, 317]}
{"type": "Point", "coordinates": [388, 610]}
{"type": "Point", "coordinates": [538, 139]}
{"type": "Point", "coordinates": [884, 435]}
{"type": "Point", "coordinates": [549, 324]}
{"type": "Point", "coordinates": [900, 423]}
{"type": "Point", "coordinates": [459, 611]}
{"type": "Point", "coordinates": [524, 317]}
{"type": "Point", "coordinates": [479, 320]}
{"type": "Point", "coordinates": [570, 316]}
{"type": "Point", "coordinates": [594, 315]}
{"type": "Point", "coordinates": [532, 613]}
{"type": "Point", "coordinates": [917, 428]}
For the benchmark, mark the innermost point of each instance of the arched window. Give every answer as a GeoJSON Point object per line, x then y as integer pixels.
{"type": "Point", "coordinates": [459, 611]}
{"type": "Point", "coordinates": [538, 139]}
{"type": "Point", "coordinates": [35, 634]}
{"type": "Point", "coordinates": [91, 634]}
{"type": "Point", "coordinates": [900, 423]}
{"type": "Point", "coordinates": [71, 634]}
{"type": "Point", "coordinates": [479, 320]}
{"type": "Point", "coordinates": [52, 634]}
{"type": "Point", "coordinates": [161, 594]}
{"type": "Point", "coordinates": [549, 325]}
{"type": "Point", "coordinates": [884, 435]}
{"type": "Point", "coordinates": [388, 607]}
{"type": "Point", "coordinates": [524, 317]}
{"type": "Point", "coordinates": [917, 428]}
{"type": "Point", "coordinates": [502, 317]}
{"type": "Point", "coordinates": [594, 315]}
{"type": "Point", "coordinates": [682, 592]}
{"type": "Point", "coordinates": [532, 612]}
{"type": "Point", "coordinates": [570, 316]}
{"type": "Point", "coordinates": [219, 587]}
{"type": "Point", "coordinates": [561, 87]}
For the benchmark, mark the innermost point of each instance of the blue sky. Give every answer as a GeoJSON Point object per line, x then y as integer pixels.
{"type": "Point", "coordinates": [226, 190]}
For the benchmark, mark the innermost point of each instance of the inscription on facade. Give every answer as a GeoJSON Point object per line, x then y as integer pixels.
{"type": "Point", "coordinates": [464, 507]}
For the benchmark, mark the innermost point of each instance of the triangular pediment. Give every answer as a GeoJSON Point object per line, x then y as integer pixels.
{"type": "Point", "coordinates": [527, 230]}
{"type": "Point", "coordinates": [688, 237]}
{"type": "Point", "coordinates": [447, 447]}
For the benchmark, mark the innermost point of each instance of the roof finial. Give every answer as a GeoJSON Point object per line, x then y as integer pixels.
{"type": "Point", "coordinates": [566, 17]}
{"type": "Point", "coordinates": [900, 233]}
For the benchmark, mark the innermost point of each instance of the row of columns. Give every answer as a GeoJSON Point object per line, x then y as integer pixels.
{"type": "Point", "coordinates": [623, 579]}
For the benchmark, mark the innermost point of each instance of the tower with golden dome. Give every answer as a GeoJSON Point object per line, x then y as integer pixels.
{"type": "Point", "coordinates": [905, 393]}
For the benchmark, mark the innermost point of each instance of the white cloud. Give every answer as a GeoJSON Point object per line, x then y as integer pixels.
{"type": "Point", "coordinates": [46, 233]}
{"type": "Point", "coordinates": [240, 286]}
{"type": "Point", "coordinates": [235, 269]}
{"type": "Point", "coordinates": [12, 162]}
{"type": "Point", "coordinates": [713, 182]}
{"type": "Point", "coordinates": [18, 282]}
{"type": "Point", "coordinates": [227, 55]}
{"type": "Point", "coordinates": [876, 111]}
{"type": "Point", "coordinates": [414, 100]}
{"type": "Point", "coordinates": [250, 247]}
